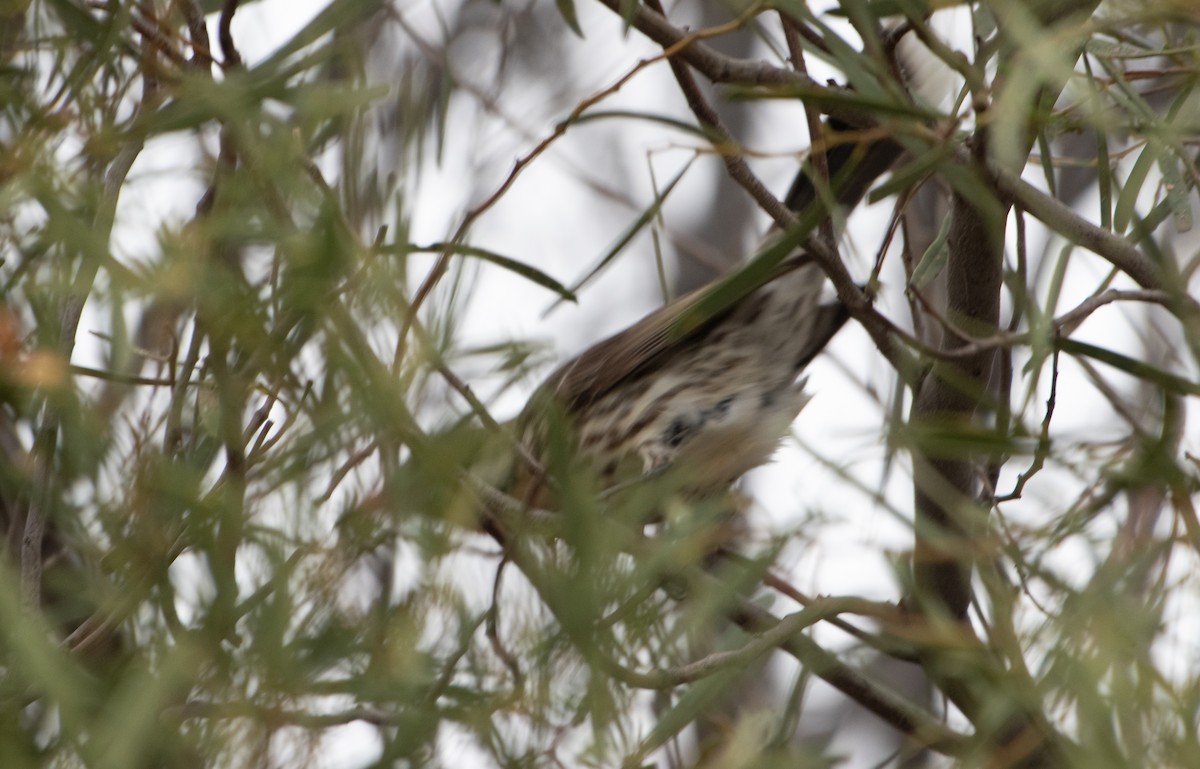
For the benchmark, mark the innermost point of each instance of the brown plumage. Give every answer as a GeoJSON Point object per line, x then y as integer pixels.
{"type": "Point", "coordinates": [714, 401]}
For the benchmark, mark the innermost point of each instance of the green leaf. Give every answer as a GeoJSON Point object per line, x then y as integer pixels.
{"type": "Point", "coordinates": [934, 259]}
{"type": "Point", "coordinates": [338, 14]}
{"type": "Point", "coordinates": [1131, 366]}
{"type": "Point", "coordinates": [1104, 168]}
{"type": "Point", "coordinates": [638, 225]}
{"type": "Point", "coordinates": [526, 271]}
{"type": "Point", "coordinates": [628, 10]}
{"type": "Point", "coordinates": [77, 21]}
{"type": "Point", "coordinates": [667, 120]}
{"type": "Point", "coordinates": [325, 101]}
{"type": "Point", "coordinates": [1110, 50]}
{"type": "Point", "coordinates": [954, 440]}
{"type": "Point", "coordinates": [566, 8]}
{"type": "Point", "coordinates": [1175, 188]}
{"type": "Point", "coordinates": [1127, 199]}
{"type": "Point", "coordinates": [858, 69]}
{"type": "Point", "coordinates": [729, 290]}
{"type": "Point", "coordinates": [213, 6]}
{"type": "Point", "coordinates": [129, 726]}
{"type": "Point", "coordinates": [1174, 178]}
{"type": "Point", "coordinates": [882, 9]}
{"type": "Point", "coordinates": [1041, 59]}
{"type": "Point", "coordinates": [1043, 143]}
{"type": "Point", "coordinates": [829, 99]}
{"type": "Point", "coordinates": [33, 659]}
{"type": "Point", "coordinates": [910, 174]}
{"type": "Point", "coordinates": [983, 22]}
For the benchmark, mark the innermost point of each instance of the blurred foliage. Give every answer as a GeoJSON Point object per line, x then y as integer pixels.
{"type": "Point", "coordinates": [260, 522]}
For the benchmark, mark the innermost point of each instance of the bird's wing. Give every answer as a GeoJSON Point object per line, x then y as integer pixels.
{"type": "Point", "coordinates": [646, 344]}
{"type": "Point", "coordinates": [649, 342]}
{"type": "Point", "coordinates": [636, 350]}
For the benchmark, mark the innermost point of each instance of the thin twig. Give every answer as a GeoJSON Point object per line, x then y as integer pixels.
{"type": "Point", "coordinates": [45, 443]}
{"type": "Point", "coordinates": [150, 31]}
{"type": "Point", "coordinates": [1060, 218]}
{"type": "Point", "coordinates": [493, 629]}
{"type": "Point", "coordinates": [113, 376]}
{"type": "Point", "coordinates": [715, 66]}
{"type": "Point", "coordinates": [274, 715]}
{"type": "Point", "coordinates": [1043, 447]}
{"type": "Point", "coordinates": [880, 611]}
{"type": "Point", "coordinates": [443, 262]}
{"type": "Point", "coordinates": [229, 51]}
{"type": "Point", "coordinates": [820, 163]}
{"type": "Point", "coordinates": [477, 407]}
{"type": "Point", "coordinates": [767, 639]}
{"type": "Point", "coordinates": [356, 459]}
{"type": "Point", "coordinates": [202, 58]}
{"type": "Point", "coordinates": [1063, 325]}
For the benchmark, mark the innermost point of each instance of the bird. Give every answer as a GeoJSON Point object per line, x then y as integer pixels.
{"type": "Point", "coordinates": [714, 400]}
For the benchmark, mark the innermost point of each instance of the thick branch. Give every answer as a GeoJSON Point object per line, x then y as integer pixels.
{"type": "Point", "coordinates": [949, 515]}
{"type": "Point", "coordinates": [46, 442]}
{"type": "Point", "coordinates": [717, 67]}
{"type": "Point", "coordinates": [945, 487]}
{"type": "Point", "coordinates": [949, 510]}
{"type": "Point", "coordinates": [1118, 251]}
{"type": "Point", "coordinates": [903, 715]}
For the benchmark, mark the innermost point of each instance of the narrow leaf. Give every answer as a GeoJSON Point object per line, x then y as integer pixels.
{"type": "Point", "coordinates": [646, 217]}
{"type": "Point", "coordinates": [1127, 199]}
{"type": "Point", "coordinates": [566, 8]}
{"type": "Point", "coordinates": [934, 259]}
{"type": "Point", "coordinates": [526, 271]}
{"type": "Point", "coordinates": [1131, 366]}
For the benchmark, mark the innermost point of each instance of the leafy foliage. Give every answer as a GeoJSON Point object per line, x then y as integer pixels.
{"type": "Point", "coordinates": [252, 512]}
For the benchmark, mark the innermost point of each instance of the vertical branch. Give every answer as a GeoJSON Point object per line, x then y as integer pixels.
{"type": "Point", "coordinates": [202, 58]}
{"type": "Point", "coordinates": [820, 164]}
{"type": "Point", "coordinates": [46, 440]}
{"type": "Point", "coordinates": [229, 51]}
{"type": "Point", "coordinates": [12, 27]}
{"type": "Point", "coordinates": [950, 489]}
{"type": "Point", "coordinates": [955, 394]}
{"type": "Point", "coordinates": [231, 385]}
{"type": "Point", "coordinates": [231, 491]}
{"type": "Point", "coordinates": [157, 324]}
{"type": "Point", "coordinates": [950, 503]}
{"type": "Point", "coordinates": [947, 503]}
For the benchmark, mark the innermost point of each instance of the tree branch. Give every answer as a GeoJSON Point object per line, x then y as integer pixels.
{"type": "Point", "coordinates": [715, 66]}
{"type": "Point", "coordinates": [1113, 248]}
